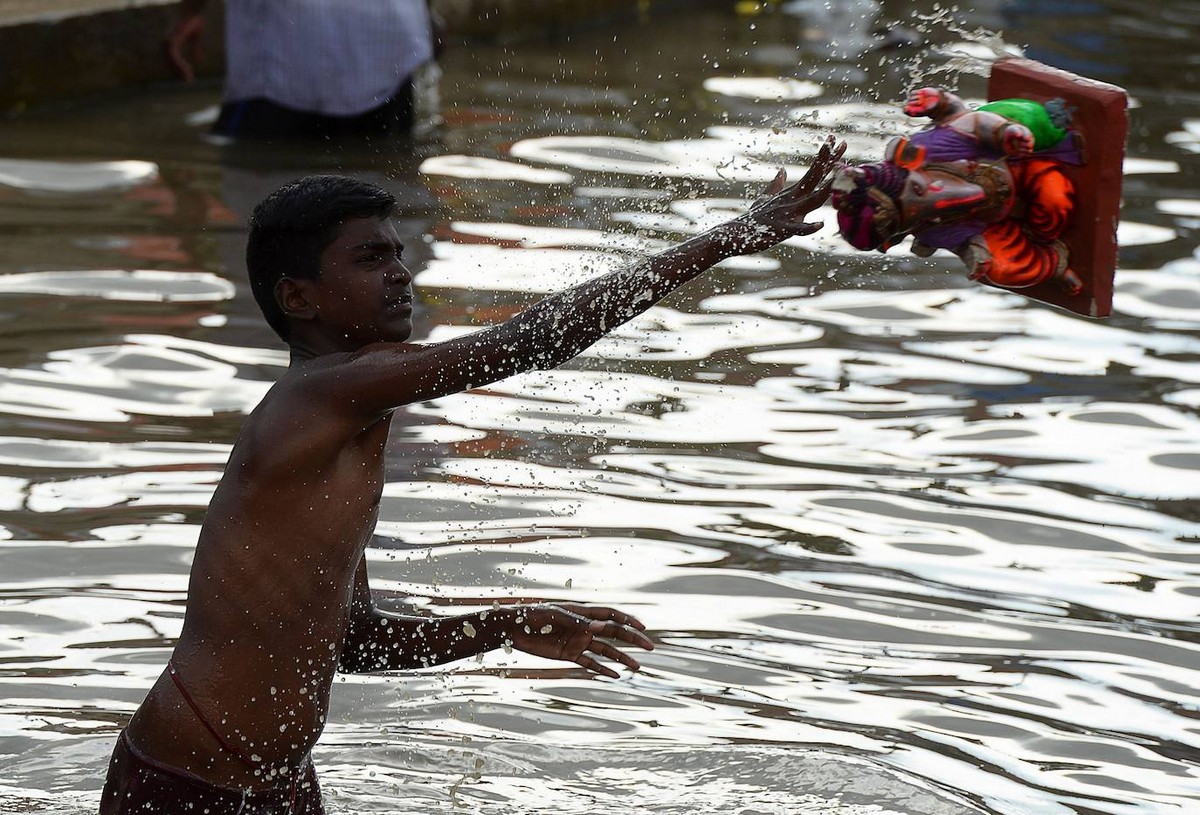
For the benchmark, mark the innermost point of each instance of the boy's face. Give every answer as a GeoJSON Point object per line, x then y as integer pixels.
{"type": "Point", "coordinates": [365, 291]}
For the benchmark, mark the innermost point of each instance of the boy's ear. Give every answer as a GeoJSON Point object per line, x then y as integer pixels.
{"type": "Point", "coordinates": [294, 296]}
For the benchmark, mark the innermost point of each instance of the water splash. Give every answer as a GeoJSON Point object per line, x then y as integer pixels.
{"type": "Point", "coordinates": [973, 53]}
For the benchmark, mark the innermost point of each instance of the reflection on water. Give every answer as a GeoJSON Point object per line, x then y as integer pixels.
{"type": "Point", "coordinates": [74, 177]}
{"type": "Point", "coordinates": [906, 544]}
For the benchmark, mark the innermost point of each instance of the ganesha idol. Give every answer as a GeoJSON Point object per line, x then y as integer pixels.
{"type": "Point", "coordinates": [987, 184]}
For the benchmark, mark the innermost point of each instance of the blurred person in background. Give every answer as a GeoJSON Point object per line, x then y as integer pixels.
{"type": "Point", "coordinates": [316, 68]}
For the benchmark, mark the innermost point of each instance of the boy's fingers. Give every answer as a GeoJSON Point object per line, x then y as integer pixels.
{"type": "Point", "coordinates": [615, 654]}
{"type": "Point", "coordinates": [586, 662]}
{"type": "Point", "coordinates": [823, 191]}
{"type": "Point", "coordinates": [812, 199]}
{"type": "Point", "coordinates": [827, 156]}
{"type": "Point", "coordinates": [825, 153]}
{"type": "Point", "coordinates": [615, 631]}
{"type": "Point", "coordinates": [777, 183]}
{"type": "Point", "coordinates": [606, 613]}
{"type": "Point", "coordinates": [830, 157]}
{"type": "Point", "coordinates": [820, 167]}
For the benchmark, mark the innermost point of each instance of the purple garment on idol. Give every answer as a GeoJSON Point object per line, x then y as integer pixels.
{"type": "Point", "coordinates": [944, 143]}
{"type": "Point", "coordinates": [951, 236]}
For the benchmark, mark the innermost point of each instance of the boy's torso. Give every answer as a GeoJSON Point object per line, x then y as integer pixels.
{"type": "Point", "coordinates": [269, 597]}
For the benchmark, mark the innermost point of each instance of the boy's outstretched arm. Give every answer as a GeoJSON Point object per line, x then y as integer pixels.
{"type": "Point", "coordinates": [557, 328]}
{"type": "Point", "coordinates": [377, 640]}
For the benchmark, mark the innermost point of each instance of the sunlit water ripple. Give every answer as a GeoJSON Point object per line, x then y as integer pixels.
{"type": "Point", "coordinates": [906, 544]}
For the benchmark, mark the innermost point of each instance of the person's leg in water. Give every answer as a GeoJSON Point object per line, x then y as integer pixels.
{"type": "Point", "coordinates": [264, 119]}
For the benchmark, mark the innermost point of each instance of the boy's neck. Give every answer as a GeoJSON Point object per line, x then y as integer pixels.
{"type": "Point", "coordinates": [300, 352]}
{"type": "Point", "coordinates": [305, 345]}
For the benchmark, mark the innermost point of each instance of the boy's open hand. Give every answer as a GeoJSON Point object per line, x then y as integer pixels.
{"type": "Point", "coordinates": [779, 212]}
{"type": "Point", "coordinates": [575, 633]}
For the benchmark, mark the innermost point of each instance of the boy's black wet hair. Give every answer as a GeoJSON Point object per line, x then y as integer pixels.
{"type": "Point", "coordinates": [291, 227]}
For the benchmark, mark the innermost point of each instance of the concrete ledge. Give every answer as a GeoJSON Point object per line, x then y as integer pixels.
{"type": "Point", "coordinates": [51, 50]}
{"type": "Point", "coordinates": [70, 51]}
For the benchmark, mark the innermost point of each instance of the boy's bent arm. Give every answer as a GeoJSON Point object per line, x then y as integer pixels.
{"type": "Point", "coordinates": [559, 327]}
{"type": "Point", "coordinates": [377, 640]}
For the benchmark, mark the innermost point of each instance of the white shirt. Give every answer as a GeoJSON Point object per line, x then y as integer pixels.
{"type": "Point", "coordinates": [335, 57]}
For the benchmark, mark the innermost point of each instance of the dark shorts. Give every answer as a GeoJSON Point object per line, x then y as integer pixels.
{"type": "Point", "coordinates": [138, 785]}
{"type": "Point", "coordinates": [264, 119]}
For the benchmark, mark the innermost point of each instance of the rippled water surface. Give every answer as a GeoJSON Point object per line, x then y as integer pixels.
{"type": "Point", "coordinates": [906, 544]}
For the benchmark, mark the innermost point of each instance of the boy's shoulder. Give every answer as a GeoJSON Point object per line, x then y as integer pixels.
{"type": "Point", "coordinates": [340, 378]}
{"type": "Point", "coordinates": [353, 389]}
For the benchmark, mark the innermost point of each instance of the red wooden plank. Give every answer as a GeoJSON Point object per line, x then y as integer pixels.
{"type": "Point", "coordinates": [1100, 116]}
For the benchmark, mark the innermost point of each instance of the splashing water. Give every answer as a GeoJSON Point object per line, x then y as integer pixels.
{"type": "Point", "coordinates": [974, 52]}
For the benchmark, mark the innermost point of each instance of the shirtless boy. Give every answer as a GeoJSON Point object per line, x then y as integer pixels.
{"type": "Point", "coordinates": [278, 599]}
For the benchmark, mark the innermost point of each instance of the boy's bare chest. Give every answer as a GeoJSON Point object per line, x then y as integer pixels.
{"type": "Point", "coordinates": [330, 488]}
{"type": "Point", "coordinates": [356, 476]}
